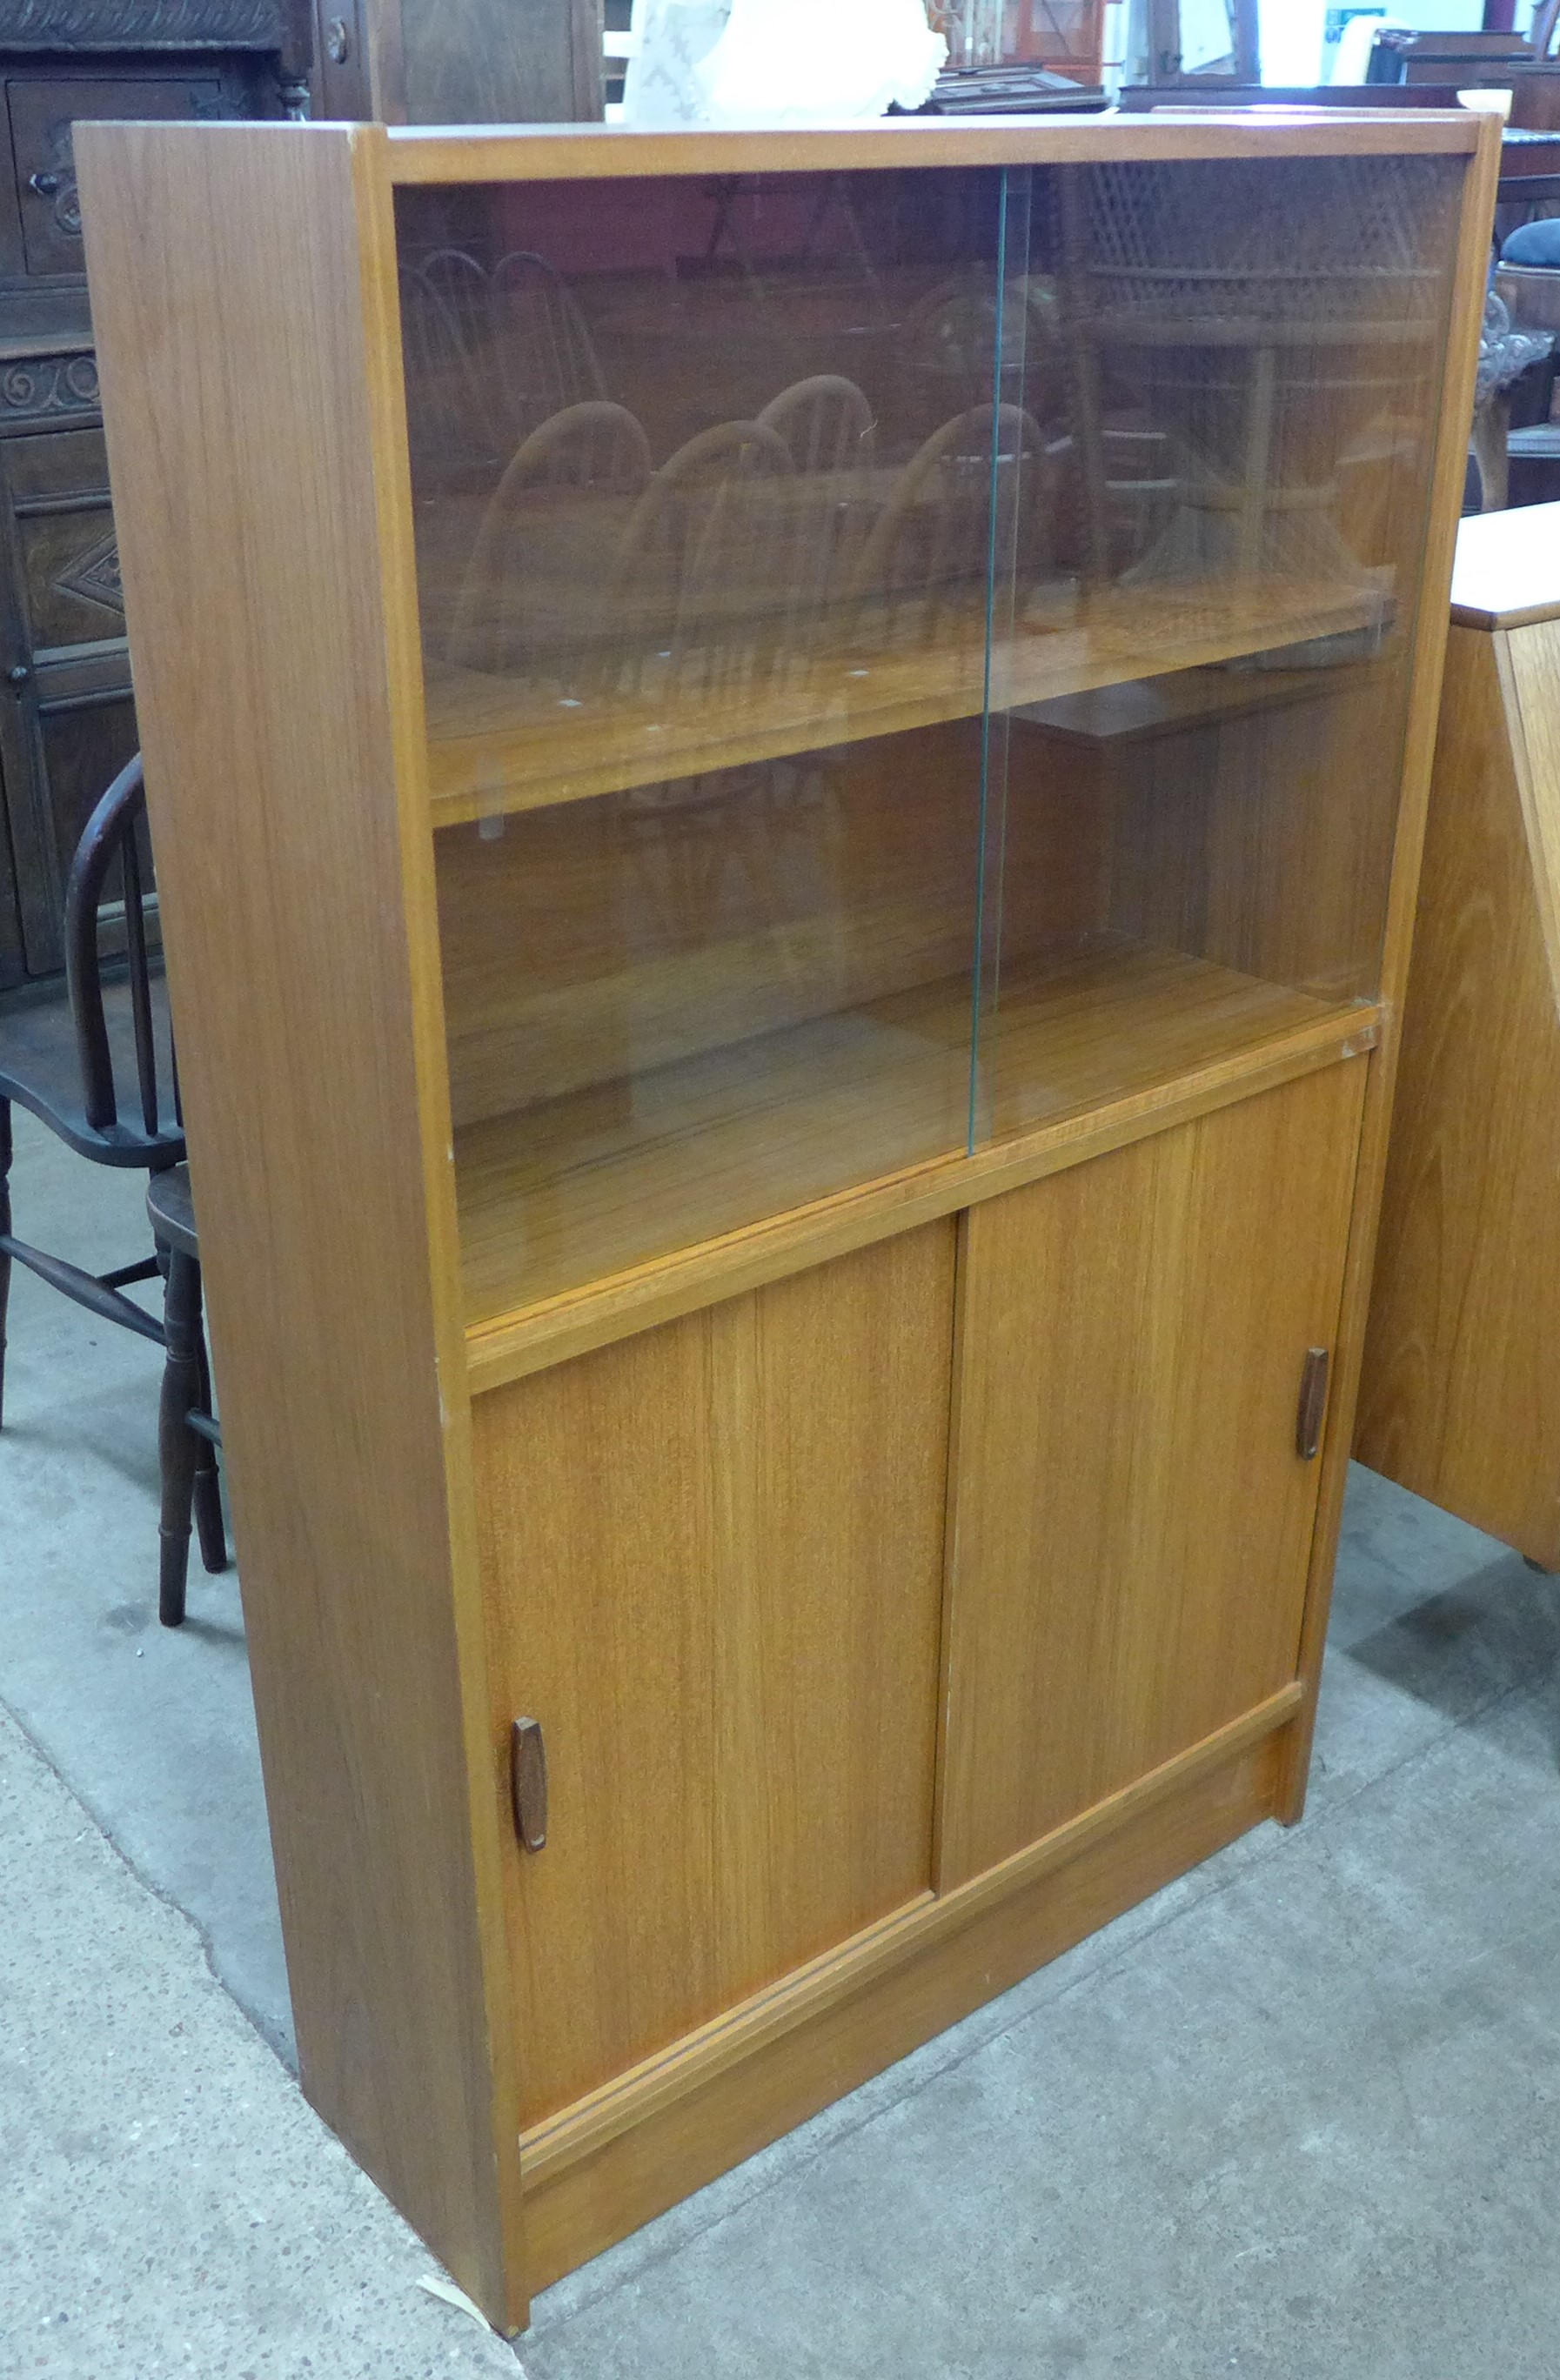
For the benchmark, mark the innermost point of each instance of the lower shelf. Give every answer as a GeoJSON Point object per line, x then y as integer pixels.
{"type": "Point", "coordinates": [586, 1187]}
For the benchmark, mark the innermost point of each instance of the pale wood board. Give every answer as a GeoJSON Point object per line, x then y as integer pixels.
{"type": "Point", "coordinates": [296, 880]}
{"type": "Point", "coordinates": [1132, 1335]}
{"type": "Point", "coordinates": [558, 152]}
{"type": "Point", "coordinates": [713, 1559]}
{"type": "Point", "coordinates": [1458, 1398]}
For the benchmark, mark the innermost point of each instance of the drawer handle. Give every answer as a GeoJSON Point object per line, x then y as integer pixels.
{"type": "Point", "coordinates": [1313, 1404]}
{"type": "Point", "coordinates": [20, 676]}
{"type": "Point", "coordinates": [527, 1782]}
{"type": "Point", "coordinates": [46, 184]}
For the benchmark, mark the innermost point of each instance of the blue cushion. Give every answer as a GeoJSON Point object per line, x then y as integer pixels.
{"type": "Point", "coordinates": [1534, 243]}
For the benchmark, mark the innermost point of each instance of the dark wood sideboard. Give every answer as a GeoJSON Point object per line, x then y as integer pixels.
{"type": "Point", "coordinates": [66, 719]}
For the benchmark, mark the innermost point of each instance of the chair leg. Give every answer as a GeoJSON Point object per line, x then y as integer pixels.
{"type": "Point", "coordinates": [5, 1233]}
{"type": "Point", "coordinates": [208, 1490]}
{"type": "Point", "coordinates": [176, 1442]}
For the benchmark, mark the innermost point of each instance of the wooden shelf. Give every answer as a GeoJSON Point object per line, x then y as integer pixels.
{"type": "Point", "coordinates": [496, 744]}
{"type": "Point", "coordinates": [583, 1189]}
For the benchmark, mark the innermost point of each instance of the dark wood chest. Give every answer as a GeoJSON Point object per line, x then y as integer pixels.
{"type": "Point", "coordinates": [67, 718]}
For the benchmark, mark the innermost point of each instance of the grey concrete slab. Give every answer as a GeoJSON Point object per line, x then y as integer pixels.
{"type": "Point", "coordinates": [154, 1727]}
{"type": "Point", "coordinates": [170, 2203]}
{"type": "Point", "coordinates": [1310, 2129]}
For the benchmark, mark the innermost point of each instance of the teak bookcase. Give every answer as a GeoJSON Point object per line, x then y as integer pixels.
{"type": "Point", "coordinates": [787, 772]}
{"type": "Point", "coordinates": [1459, 1394]}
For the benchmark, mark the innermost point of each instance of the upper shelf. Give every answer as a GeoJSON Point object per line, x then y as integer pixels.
{"type": "Point", "coordinates": [723, 471]}
{"type": "Point", "coordinates": [497, 745]}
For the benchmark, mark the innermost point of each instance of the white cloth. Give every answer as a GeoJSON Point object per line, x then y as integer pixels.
{"type": "Point", "coordinates": [778, 61]}
{"type": "Point", "coordinates": [661, 91]}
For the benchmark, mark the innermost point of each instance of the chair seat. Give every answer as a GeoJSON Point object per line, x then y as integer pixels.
{"type": "Point", "coordinates": [40, 1070]}
{"type": "Point", "coordinates": [172, 1210]}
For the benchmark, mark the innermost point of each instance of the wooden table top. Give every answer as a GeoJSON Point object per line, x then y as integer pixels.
{"type": "Point", "coordinates": [1508, 569]}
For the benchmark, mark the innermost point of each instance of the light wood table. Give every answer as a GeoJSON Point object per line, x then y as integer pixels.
{"type": "Point", "coordinates": [1460, 1399]}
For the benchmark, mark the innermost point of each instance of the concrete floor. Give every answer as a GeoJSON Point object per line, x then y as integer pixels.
{"type": "Point", "coordinates": [1297, 2118]}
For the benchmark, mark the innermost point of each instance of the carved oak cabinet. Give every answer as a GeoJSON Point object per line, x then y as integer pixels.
{"type": "Point", "coordinates": [788, 785]}
{"type": "Point", "coordinates": [67, 717]}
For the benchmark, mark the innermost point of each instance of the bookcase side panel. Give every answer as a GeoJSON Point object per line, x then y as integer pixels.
{"type": "Point", "coordinates": [1424, 696]}
{"type": "Point", "coordinates": [241, 330]}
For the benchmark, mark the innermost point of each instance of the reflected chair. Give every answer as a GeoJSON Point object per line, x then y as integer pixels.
{"type": "Point", "coordinates": [545, 357]}
{"type": "Point", "coordinates": [829, 429]}
{"type": "Point", "coordinates": [697, 551]}
{"type": "Point", "coordinates": [72, 1062]}
{"type": "Point", "coordinates": [974, 493]}
{"type": "Point", "coordinates": [552, 526]}
{"type": "Point", "coordinates": [453, 428]}
{"type": "Point", "coordinates": [825, 421]}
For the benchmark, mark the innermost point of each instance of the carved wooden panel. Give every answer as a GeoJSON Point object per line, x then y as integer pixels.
{"type": "Point", "coordinates": [136, 24]}
{"type": "Point", "coordinates": [43, 110]}
{"type": "Point", "coordinates": [41, 388]}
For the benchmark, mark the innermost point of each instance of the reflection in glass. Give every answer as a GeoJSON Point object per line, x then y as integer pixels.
{"type": "Point", "coordinates": [910, 656]}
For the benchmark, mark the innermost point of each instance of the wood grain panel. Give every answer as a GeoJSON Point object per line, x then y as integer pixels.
{"type": "Point", "coordinates": [1458, 1393]}
{"type": "Point", "coordinates": [497, 61]}
{"type": "Point", "coordinates": [296, 872]}
{"type": "Point", "coordinates": [712, 1557]}
{"type": "Point", "coordinates": [1131, 1523]}
{"type": "Point", "coordinates": [1264, 841]}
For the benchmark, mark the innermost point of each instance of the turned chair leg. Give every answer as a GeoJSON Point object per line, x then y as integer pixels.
{"type": "Point", "coordinates": [177, 1446]}
{"type": "Point", "coordinates": [208, 1489]}
{"type": "Point", "coordinates": [5, 1233]}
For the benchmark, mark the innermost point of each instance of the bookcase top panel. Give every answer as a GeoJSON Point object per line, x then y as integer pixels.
{"type": "Point", "coordinates": [419, 153]}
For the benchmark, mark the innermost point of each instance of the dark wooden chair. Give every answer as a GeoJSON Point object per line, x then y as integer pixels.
{"type": "Point", "coordinates": [95, 1064]}
{"type": "Point", "coordinates": [188, 1437]}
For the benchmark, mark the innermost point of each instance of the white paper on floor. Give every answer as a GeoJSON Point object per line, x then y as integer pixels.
{"type": "Point", "coordinates": [438, 2287]}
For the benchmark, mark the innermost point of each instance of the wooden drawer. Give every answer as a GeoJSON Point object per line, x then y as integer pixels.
{"type": "Point", "coordinates": [42, 113]}
{"type": "Point", "coordinates": [66, 587]}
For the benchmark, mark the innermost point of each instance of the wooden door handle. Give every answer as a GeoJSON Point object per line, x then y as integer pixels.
{"type": "Point", "coordinates": [1312, 1405]}
{"type": "Point", "coordinates": [527, 1782]}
